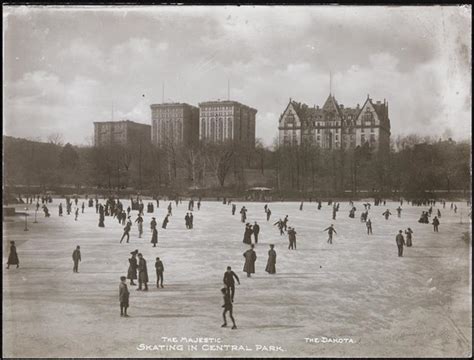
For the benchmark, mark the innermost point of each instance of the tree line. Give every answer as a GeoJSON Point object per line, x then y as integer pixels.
{"type": "Point", "coordinates": [413, 165]}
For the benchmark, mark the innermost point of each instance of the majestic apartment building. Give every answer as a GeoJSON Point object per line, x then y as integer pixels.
{"type": "Point", "coordinates": [221, 121]}
{"type": "Point", "coordinates": [123, 132]}
{"type": "Point", "coordinates": [333, 126]}
{"type": "Point", "coordinates": [174, 123]}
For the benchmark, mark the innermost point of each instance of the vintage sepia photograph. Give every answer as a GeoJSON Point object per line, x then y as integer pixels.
{"type": "Point", "coordinates": [237, 181]}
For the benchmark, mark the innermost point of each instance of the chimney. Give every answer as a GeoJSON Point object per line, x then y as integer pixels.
{"type": "Point", "coordinates": [341, 106]}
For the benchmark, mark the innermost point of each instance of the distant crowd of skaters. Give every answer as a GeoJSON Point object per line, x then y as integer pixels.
{"type": "Point", "coordinates": [137, 269]}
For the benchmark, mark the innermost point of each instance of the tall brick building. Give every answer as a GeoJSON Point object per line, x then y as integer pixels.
{"type": "Point", "coordinates": [334, 125]}
{"type": "Point", "coordinates": [123, 132]}
{"type": "Point", "coordinates": [221, 121]}
{"type": "Point", "coordinates": [176, 123]}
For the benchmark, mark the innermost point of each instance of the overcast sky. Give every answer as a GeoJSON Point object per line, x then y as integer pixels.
{"type": "Point", "coordinates": [64, 68]}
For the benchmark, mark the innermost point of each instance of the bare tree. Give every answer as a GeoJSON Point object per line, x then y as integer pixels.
{"type": "Point", "coordinates": [219, 158]}
{"type": "Point", "coordinates": [56, 139]}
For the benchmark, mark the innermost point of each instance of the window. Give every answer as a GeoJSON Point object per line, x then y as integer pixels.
{"type": "Point", "coordinates": [362, 130]}
{"type": "Point", "coordinates": [337, 137]}
{"type": "Point", "coordinates": [372, 137]}
{"type": "Point", "coordinates": [362, 138]}
{"type": "Point", "coordinates": [318, 138]}
{"type": "Point", "coordinates": [319, 131]}
{"type": "Point", "coordinates": [372, 130]}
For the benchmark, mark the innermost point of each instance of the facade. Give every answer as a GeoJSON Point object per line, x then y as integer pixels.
{"type": "Point", "coordinates": [333, 126]}
{"type": "Point", "coordinates": [174, 123]}
{"type": "Point", "coordinates": [221, 121]}
{"type": "Point", "coordinates": [123, 132]}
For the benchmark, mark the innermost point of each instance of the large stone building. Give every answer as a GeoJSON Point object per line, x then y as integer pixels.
{"type": "Point", "coordinates": [123, 132]}
{"type": "Point", "coordinates": [334, 126]}
{"type": "Point", "coordinates": [221, 121]}
{"type": "Point", "coordinates": [174, 123]}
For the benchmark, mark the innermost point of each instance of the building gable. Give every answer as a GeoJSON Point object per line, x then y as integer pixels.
{"type": "Point", "coordinates": [290, 117]}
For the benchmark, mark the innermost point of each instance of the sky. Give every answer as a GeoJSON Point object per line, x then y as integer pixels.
{"type": "Point", "coordinates": [66, 67]}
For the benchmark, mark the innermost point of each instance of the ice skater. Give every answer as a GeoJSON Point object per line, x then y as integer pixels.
{"type": "Point", "coordinates": [139, 221]}
{"type": "Point", "coordinates": [165, 221]}
{"type": "Point", "coordinates": [76, 257]}
{"type": "Point", "coordinates": [368, 224]}
{"type": "Point", "coordinates": [229, 282]}
{"type": "Point", "coordinates": [126, 231]}
{"type": "Point", "coordinates": [271, 262]}
{"type": "Point", "coordinates": [132, 268]}
{"type": "Point", "coordinates": [400, 242]}
{"type": "Point", "coordinates": [386, 213]}
{"type": "Point", "coordinates": [154, 237]}
{"type": "Point", "coordinates": [409, 233]}
{"type": "Point", "coordinates": [13, 256]}
{"type": "Point", "coordinates": [435, 224]}
{"type": "Point", "coordinates": [159, 272]}
{"type": "Point", "coordinates": [330, 231]}
{"type": "Point", "coordinates": [256, 230]}
{"type": "Point", "coordinates": [124, 295]}
{"type": "Point", "coordinates": [228, 307]}
{"type": "Point", "coordinates": [142, 273]}
{"type": "Point", "coordinates": [250, 258]}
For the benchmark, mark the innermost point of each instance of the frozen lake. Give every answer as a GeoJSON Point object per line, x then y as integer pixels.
{"type": "Point", "coordinates": [357, 288]}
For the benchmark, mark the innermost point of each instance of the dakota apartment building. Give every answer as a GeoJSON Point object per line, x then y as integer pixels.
{"type": "Point", "coordinates": [333, 125]}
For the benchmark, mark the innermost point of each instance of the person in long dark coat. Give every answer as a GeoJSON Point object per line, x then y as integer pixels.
{"type": "Point", "coordinates": [271, 260]}
{"type": "Point", "coordinates": [408, 232]}
{"type": "Point", "coordinates": [13, 256]}
{"type": "Point", "coordinates": [132, 268]}
{"type": "Point", "coordinates": [142, 273]}
{"type": "Point", "coordinates": [101, 216]}
{"type": "Point", "coordinates": [124, 295]}
{"type": "Point", "coordinates": [76, 257]}
{"type": "Point", "coordinates": [256, 230]}
{"type": "Point", "coordinates": [153, 223]}
{"type": "Point", "coordinates": [250, 258]}
{"type": "Point", "coordinates": [165, 221]}
{"type": "Point", "coordinates": [247, 234]}
{"type": "Point", "coordinates": [154, 237]}
{"type": "Point", "coordinates": [60, 209]}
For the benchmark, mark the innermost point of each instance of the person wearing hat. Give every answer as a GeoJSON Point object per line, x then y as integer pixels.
{"type": "Point", "coordinates": [154, 237]}
{"type": "Point", "coordinates": [124, 294]}
{"type": "Point", "coordinates": [142, 273]}
{"type": "Point", "coordinates": [250, 258]}
{"type": "Point", "coordinates": [126, 230]}
{"type": "Point", "coordinates": [132, 268]}
{"type": "Point", "coordinates": [243, 213]}
{"type": "Point", "coordinates": [76, 257]}
{"type": "Point", "coordinates": [247, 234]}
{"type": "Point", "coordinates": [400, 242]}
{"type": "Point", "coordinates": [159, 272]}
{"type": "Point", "coordinates": [13, 256]}
{"type": "Point", "coordinates": [139, 220]}
{"type": "Point", "coordinates": [153, 223]}
{"type": "Point", "coordinates": [271, 260]}
{"type": "Point", "coordinates": [228, 280]}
